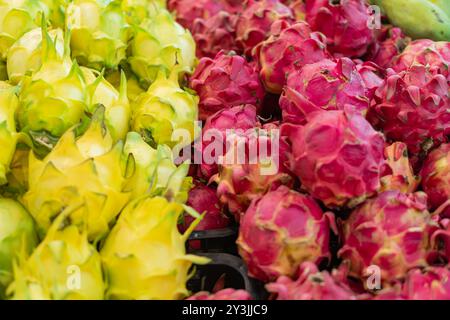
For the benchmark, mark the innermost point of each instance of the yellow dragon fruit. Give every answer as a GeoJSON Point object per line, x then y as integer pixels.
{"type": "Point", "coordinates": [156, 172]}
{"type": "Point", "coordinates": [25, 55]}
{"type": "Point", "coordinates": [54, 98]}
{"type": "Point", "coordinates": [3, 71]}
{"type": "Point", "coordinates": [144, 256]}
{"type": "Point", "coordinates": [165, 107]}
{"type": "Point", "coordinates": [160, 43]}
{"type": "Point", "coordinates": [63, 267]}
{"type": "Point", "coordinates": [88, 169]}
{"type": "Point", "coordinates": [134, 87]}
{"type": "Point", "coordinates": [139, 10]}
{"type": "Point", "coordinates": [17, 235]}
{"type": "Point", "coordinates": [16, 18]}
{"type": "Point", "coordinates": [8, 135]}
{"type": "Point", "coordinates": [99, 32]}
{"type": "Point", "coordinates": [18, 174]}
{"type": "Point", "coordinates": [117, 107]}
{"type": "Point", "coordinates": [20, 16]}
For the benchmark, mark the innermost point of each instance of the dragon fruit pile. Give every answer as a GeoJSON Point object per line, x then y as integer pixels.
{"type": "Point", "coordinates": [315, 131]}
{"type": "Point", "coordinates": [359, 205]}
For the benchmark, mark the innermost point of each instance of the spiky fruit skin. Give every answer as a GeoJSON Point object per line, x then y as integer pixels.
{"type": "Point", "coordinates": [241, 180]}
{"type": "Point", "coordinates": [8, 133]}
{"type": "Point", "coordinates": [290, 47]}
{"type": "Point", "coordinates": [280, 231]}
{"type": "Point", "coordinates": [134, 87]}
{"type": "Point", "coordinates": [25, 55]}
{"type": "Point", "coordinates": [17, 177]}
{"type": "Point", "coordinates": [435, 176]}
{"type": "Point", "coordinates": [215, 131]}
{"type": "Point", "coordinates": [155, 171]}
{"type": "Point", "coordinates": [89, 169]}
{"type": "Point", "coordinates": [53, 98]}
{"type": "Point", "coordinates": [17, 236]}
{"type": "Point", "coordinates": [144, 256]}
{"type": "Point", "coordinates": [412, 107]}
{"type": "Point", "coordinates": [337, 156]}
{"type": "Point", "coordinates": [391, 231]}
{"type": "Point", "coordinates": [400, 174]}
{"type": "Point", "coordinates": [188, 11]}
{"type": "Point", "coordinates": [224, 294]}
{"type": "Point", "coordinates": [311, 284]}
{"type": "Point", "coordinates": [298, 8]}
{"type": "Point", "coordinates": [344, 23]}
{"type": "Point", "coordinates": [226, 81]}
{"type": "Point", "coordinates": [390, 42]}
{"type": "Point", "coordinates": [99, 33]}
{"type": "Point", "coordinates": [64, 266]}
{"type": "Point", "coordinates": [117, 106]}
{"type": "Point", "coordinates": [162, 110]}
{"type": "Point", "coordinates": [372, 76]}
{"type": "Point", "coordinates": [203, 199]}
{"type": "Point", "coordinates": [434, 55]}
{"type": "Point", "coordinates": [18, 17]}
{"type": "Point", "coordinates": [152, 51]}
{"type": "Point", "coordinates": [431, 283]}
{"type": "Point", "coordinates": [325, 85]}
{"type": "Point", "coordinates": [214, 34]}
{"type": "Point", "coordinates": [136, 11]}
{"type": "Point", "coordinates": [255, 21]}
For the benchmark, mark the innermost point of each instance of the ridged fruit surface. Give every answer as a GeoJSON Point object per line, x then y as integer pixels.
{"type": "Point", "coordinates": [392, 231]}
{"type": "Point", "coordinates": [280, 231]}
{"type": "Point", "coordinates": [337, 156]}
{"type": "Point", "coordinates": [325, 85]}
{"type": "Point", "coordinates": [226, 81]}
{"type": "Point", "coordinates": [144, 256]}
{"type": "Point", "coordinates": [345, 23]}
{"type": "Point", "coordinates": [312, 284]}
{"type": "Point", "coordinates": [256, 19]}
{"type": "Point", "coordinates": [289, 47]}
{"type": "Point", "coordinates": [412, 107]}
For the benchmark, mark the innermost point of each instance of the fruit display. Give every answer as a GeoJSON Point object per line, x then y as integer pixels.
{"type": "Point", "coordinates": [224, 150]}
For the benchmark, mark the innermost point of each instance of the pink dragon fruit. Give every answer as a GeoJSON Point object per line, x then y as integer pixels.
{"type": "Point", "coordinates": [399, 175]}
{"type": "Point", "coordinates": [225, 294]}
{"type": "Point", "coordinates": [344, 23]}
{"type": "Point", "coordinates": [242, 180]}
{"type": "Point", "coordinates": [214, 34]}
{"type": "Point", "coordinates": [412, 107]}
{"type": "Point", "coordinates": [436, 177]}
{"type": "Point", "coordinates": [204, 200]}
{"type": "Point", "coordinates": [298, 7]}
{"type": "Point", "coordinates": [325, 85]}
{"type": "Point", "coordinates": [372, 76]}
{"type": "Point", "coordinates": [256, 19]}
{"type": "Point", "coordinates": [431, 283]}
{"type": "Point", "coordinates": [187, 11]}
{"type": "Point", "coordinates": [390, 42]}
{"type": "Point", "coordinates": [392, 231]}
{"type": "Point", "coordinates": [312, 284]}
{"type": "Point", "coordinates": [441, 238]}
{"type": "Point", "coordinates": [434, 55]}
{"type": "Point", "coordinates": [290, 47]}
{"type": "Point", "coordinates": [280, 231]}
{"type": "Point", "coordinates": [226, 81]}
{"type": "Point", "coordinates": [240, 118]}
{"type": "Point", "coordinates": [337, 156]}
